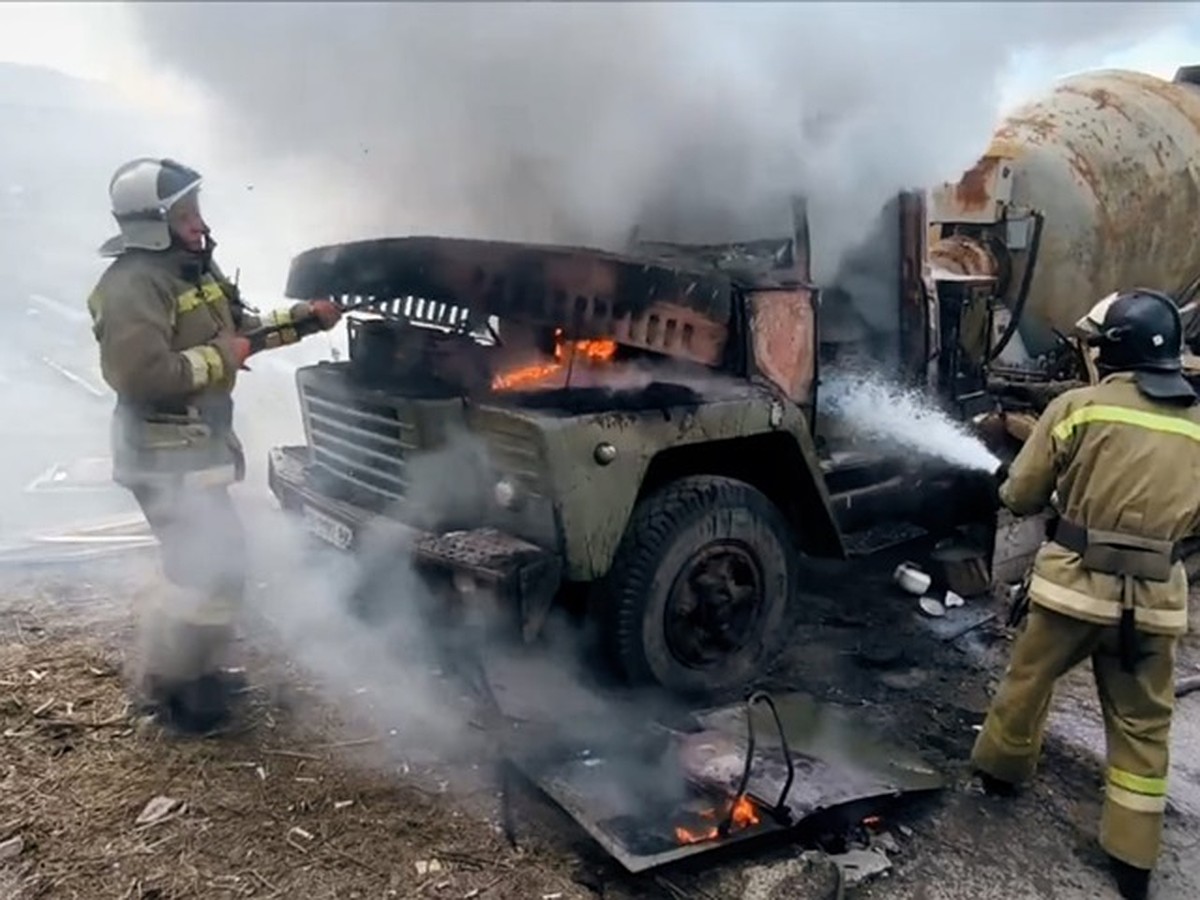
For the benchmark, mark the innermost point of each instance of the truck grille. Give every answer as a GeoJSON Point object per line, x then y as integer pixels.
{"type": "Point", "coordinates": [363, 445]}
{"type": "Point", "coordinates": [516, 453]}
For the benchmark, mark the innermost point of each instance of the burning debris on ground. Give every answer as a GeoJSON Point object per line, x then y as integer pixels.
{"type": "Point", "coordinates": [654, 790]}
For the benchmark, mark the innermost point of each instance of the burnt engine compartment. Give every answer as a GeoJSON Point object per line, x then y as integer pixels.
{"type": "Point", "coordinates": [519, 364]}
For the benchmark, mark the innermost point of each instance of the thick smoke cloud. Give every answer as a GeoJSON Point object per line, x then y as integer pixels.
{"type": "Point", "coordinates": [574, 122]}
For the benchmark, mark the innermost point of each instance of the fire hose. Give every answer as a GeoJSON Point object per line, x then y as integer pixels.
{"type": "Point", "coordinates": [270, 336]}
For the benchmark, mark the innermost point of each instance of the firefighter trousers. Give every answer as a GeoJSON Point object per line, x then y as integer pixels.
{"type": "Point", "coordinates": [186, 627]}
{"type": "Point", "coordinates": [1137, 708]}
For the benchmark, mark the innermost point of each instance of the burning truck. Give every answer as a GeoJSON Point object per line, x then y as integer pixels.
{"type": "Point", "coordinates": [639, 434]}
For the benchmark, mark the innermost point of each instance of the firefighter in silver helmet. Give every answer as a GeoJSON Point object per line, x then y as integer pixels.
{"type": "Point", "coordinates": [172, 334]}
{"type": "Point", "coordinates": [1120, 458]}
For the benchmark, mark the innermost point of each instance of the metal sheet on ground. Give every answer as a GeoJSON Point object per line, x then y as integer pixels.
{"type": "Point", "coordinates": [597, 794]}
{"type": "Point", "coordinates": [653, 785]}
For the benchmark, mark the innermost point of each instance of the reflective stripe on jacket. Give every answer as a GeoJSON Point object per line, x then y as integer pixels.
{"type": "Point", "coordinates": [164, 322]}
{"type": "Point", "coordinates": [1115, 461]}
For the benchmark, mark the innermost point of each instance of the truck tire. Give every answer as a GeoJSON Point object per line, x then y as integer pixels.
{"type": "Point", "coordinates": [699, 591]}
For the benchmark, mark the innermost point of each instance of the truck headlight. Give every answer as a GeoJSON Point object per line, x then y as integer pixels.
{"type": "Point", "coordinates": [506, 494]}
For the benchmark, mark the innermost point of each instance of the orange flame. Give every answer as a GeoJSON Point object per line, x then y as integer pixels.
{"type": "Point", "coordinates": [694, 837]}
{"type": "Point", "coordinates": [594, 351]}
{"type": "Point", "coordinates": [744, 816]}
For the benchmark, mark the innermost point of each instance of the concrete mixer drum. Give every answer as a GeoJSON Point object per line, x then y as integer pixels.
{"type": "Point", "coordinates": [1092, 189]}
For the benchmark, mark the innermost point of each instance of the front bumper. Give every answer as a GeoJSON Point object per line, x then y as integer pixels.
{"type": "Point", "coordinates": [481, 559]}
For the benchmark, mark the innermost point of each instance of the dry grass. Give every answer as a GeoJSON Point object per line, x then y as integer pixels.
{"type": "Point", "coordinates": [277, 809]}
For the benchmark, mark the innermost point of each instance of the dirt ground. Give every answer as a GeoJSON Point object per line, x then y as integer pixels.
{"type": "Point", "coordinates": [300, 802]}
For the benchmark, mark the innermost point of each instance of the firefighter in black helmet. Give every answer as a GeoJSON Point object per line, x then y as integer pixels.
{"type": "Point", "coordinates": [1119, 460]}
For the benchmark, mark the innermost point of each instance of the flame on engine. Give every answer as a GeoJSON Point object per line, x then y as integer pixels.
{"type": "Point", "coordinates": [744, 816]}
{"type": "Point", "coordinates": [593, 352]}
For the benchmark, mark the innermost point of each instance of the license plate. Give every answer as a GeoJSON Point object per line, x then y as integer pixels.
{"type": "Point", "coordinates": [328, 529]}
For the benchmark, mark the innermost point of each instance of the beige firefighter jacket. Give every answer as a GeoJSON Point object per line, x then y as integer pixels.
{"type": "Point", "coordinates": [164, 322]}
{"type": "Point", "coordinates": [1112, 460]}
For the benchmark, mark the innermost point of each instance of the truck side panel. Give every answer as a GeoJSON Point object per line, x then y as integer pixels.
{"type": "Point", "coordinates": [595, 499]}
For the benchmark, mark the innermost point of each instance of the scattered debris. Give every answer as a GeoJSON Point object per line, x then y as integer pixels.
{"type": "Point", "coordinates": [44, 708]}
{"type": "Point", "coordinates": [885, 841]}
{"type": "Point", "coordinates": [426, 866]}
{"type": "Point", "coordinates": [953, 600]}
{"type": "Point", "coordinates": [910, 577]}
{"type": "Point", "coordinates": [12, 847]}
{"type": "Point", "coordinates": [861, 865]}
{"type": "Point", "coordinates": [962, 568]}
{"type": "Point", "coordinates": [297, 831]}
{"type": "Point", "coordinates": [1187, 685]}
{"type": "Point", "coordinates": [475, 892]}
{"type": "Point", "coordinates": [932, 607]}
{"type": "Point", "coordinates": [158, 809]}
{"type": "Point", "coordinates": [811, 876]}
{"type": "Point", "coordinates": [960, 622]}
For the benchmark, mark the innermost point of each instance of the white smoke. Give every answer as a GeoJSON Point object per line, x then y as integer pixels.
{"type": "Point", "coordinates": [565, 122]}
{"type": "Point", "coordinates": [574, 122]}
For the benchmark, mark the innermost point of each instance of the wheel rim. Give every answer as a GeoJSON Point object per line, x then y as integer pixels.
{"type": "Point", "coordinates": [715, 604]}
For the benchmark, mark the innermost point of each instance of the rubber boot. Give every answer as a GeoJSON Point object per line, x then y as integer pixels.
{"type": "Point", "coordinates": [1132, 883]}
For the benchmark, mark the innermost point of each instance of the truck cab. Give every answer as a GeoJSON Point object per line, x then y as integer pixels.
{"type": "Point", "coordinates": [637, 436]}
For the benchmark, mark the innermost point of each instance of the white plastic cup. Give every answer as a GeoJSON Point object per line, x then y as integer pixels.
{"type": "Point", "coordinates": [912, 579]}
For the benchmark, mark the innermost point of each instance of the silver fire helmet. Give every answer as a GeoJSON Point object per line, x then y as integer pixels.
{"type": "Point", "coordinates": [142, 192]}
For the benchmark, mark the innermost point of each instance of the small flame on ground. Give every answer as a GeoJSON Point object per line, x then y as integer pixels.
{"type": "Point", "coordinates": [592, 351]}
{"type": "Point", "coordinates": [744, 816]}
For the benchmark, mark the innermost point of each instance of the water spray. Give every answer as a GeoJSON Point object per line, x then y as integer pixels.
{"type": "Point", "coordinates": [878, 411]}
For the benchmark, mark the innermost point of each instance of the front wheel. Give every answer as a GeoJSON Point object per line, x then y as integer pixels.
{"type": "Point", "coordinates": [699, 590]}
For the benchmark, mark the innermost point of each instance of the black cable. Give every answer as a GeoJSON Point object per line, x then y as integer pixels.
{"type": "Point", "coordinates": [780, 811]}
{"type": "Point", "coordinates": [1014, 320]}
{"type": "Point", "coordinates": [727, 822]}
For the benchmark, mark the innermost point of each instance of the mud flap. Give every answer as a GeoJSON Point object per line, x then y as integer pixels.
{"type": "Point", "coordinates": [656, 786]}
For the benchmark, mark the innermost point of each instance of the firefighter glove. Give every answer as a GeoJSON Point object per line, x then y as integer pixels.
{"type": "Point", "coordinates": [241, 349]}
{"type": "Point", "coordinates": [235, 349]}
{"type": "Point", "coordinates": [327, 312]}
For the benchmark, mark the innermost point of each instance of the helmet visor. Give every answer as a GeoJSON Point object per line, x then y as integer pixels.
{"type": "Point", "coordinates": [175, 181]}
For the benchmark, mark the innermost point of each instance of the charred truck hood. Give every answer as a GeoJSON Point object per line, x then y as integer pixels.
{"type": "Point", "coordinates": [602, 294]}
